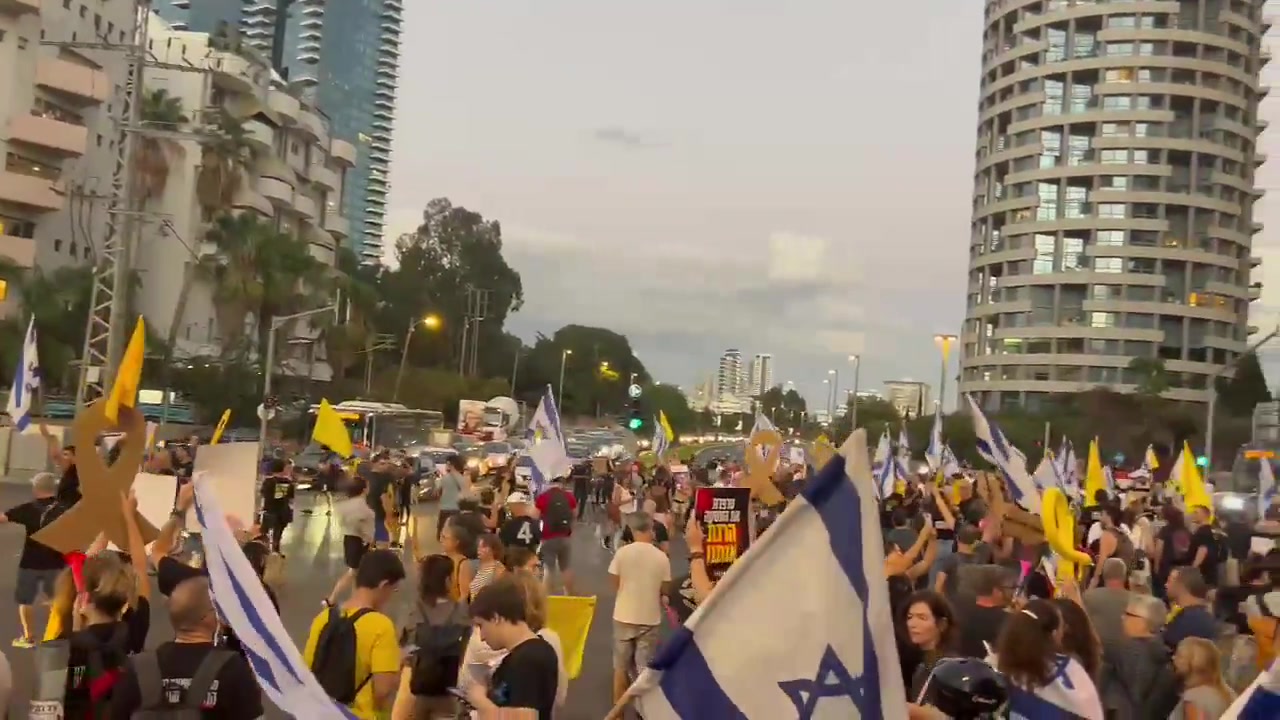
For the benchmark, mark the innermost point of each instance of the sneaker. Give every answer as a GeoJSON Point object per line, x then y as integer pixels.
{"type": "Point", "coordinates": [23, 642]}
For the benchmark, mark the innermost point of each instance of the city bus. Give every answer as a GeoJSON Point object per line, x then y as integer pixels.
{"type": "Point", "coordinates": [390, 425]}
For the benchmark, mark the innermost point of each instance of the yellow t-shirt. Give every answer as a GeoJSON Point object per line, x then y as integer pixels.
{"type": "Point", "coordinates": [377, 651]}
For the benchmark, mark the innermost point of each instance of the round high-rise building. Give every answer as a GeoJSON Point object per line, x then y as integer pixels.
{"type": "Point", "coordinates": [1113, 195]}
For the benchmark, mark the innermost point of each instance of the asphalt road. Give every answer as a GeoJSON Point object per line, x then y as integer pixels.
{"type": "Point", "coordinates": [313, 551]}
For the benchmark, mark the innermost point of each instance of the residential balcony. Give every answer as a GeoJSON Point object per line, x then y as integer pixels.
{"type": "Point", "coordinates": [53, 135]}
{"type": "Point", "coordinates": [324, 177]}
{"type": "Point", "coordinates": [311, 123]}
{"type": "Point", "coordinates": [16, 249]}
{"type": "Point", "coordinates": [343, 151]}
{"type": "Point", "coordinates": [1255, 292]}
{"type": "Point", "coordinates": [246, 198]}
{"type": "Point", "coordinates": [260, 134]}
{"type": "Point", "coordinates": [277, 191]}
{"type": "Point", "coordinates": [305, 206]}
{"type": "Point", "coordinates": [30, 191]}
{"type": "Point", "coordinates": [234, 72]}
{"type": "Point", "coordinates": [323, 245]}
{"type": "Point", "coordinates": [285, 106]}
{"type": "Point", "coordinates": [79, 83]}
{"type": "Point", "coordinates": [19, 7]}
{"type": "Point", "coordinates": [337, 225]}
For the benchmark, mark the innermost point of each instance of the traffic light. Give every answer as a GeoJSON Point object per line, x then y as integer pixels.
{"type": "Point", "coordinates": [636, 422]}
{"type": "Point", "coordinates": [1202, 461]}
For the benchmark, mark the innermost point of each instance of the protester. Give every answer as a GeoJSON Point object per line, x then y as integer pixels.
{"type": "Point", "coordinates": [38, 565]}
{"type": "Point", "coordinates": [459, 546]}
{"type": "Point", "coordinates": [1137, 680]}
{"type": "Point", "coordinates": [1205, 551]}
{"type": "Point", "coordinates": [1205, 695]}
{"type": "Point", "coordinates": [1106, 604]}
{"type": "Point", "coordinates": [528, 676]}
{"type": "Point", "coordinates": [453, 485]}
{"type": "Point", "coordinates": [969, 551]}
{"type": "Point", "coordinates": [191, 671]}
{"type": "Point", "coordinates": [357, 521]}
{"type": "Point", "coordinates": [489, 552]}
{"type": "Point", "coordinates": [352, 649]}
{"type": "Point", "coordinates": [1190, 615]}
{"type": "Point", "coordinates": [1079, 639]}
{"type": "Point", "coordinates": [520, 529]}
{"type": "Point", "coordinates": [982, 621]}
{"type": "Point", "coordinates": [64, 458]}
{"type": "Point", "coordinates": [1172, 547]}
{"type": "Point", "coordinates": [641, 574]}
{"type": "Point", "coordinates": [1029, 652]}
{"type": "Point", "coordinates": [101, 639]}
{"type": "Point", "coordinates": [556, 507]}
{"type": "Point", "coordinates": [440, 629]}
{"type": "Point", "coordinates": [930, 629]}
{"type": "Point", "coordinates": [277, 500]}
{"type": "Point", "coordinates": [1113, 541]}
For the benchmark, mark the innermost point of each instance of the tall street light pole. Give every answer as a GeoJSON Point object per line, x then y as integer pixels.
{"type": "Point", "coordinates": [944, 344]}
{"type": "Point", "coordinates": [564, 355]}
{"type": "Point", "coordinates": [853, 409]}
{"type": "Point", "coordinates": [268, 365]}
{"type": "Point", "coordinates": [430, 322]}
{"type": "Point", "coordinates": [827, 391]}
{"type": "Point", "coordinates": [831, 400]}
{"type": "Point", "coordinates": [1213, 395]}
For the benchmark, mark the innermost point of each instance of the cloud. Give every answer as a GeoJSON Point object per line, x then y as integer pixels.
{"type": "Point", "coordinates": [615, 135]}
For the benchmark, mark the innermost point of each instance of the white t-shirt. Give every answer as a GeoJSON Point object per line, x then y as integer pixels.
{"type": "Point", "coordinates": [641, 569]}
{"type": "Point", "coordinates": [355, 517]}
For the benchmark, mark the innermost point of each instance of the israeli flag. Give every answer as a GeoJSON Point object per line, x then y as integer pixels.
{"type": "Point", "coordinates": [547, 450]}
{"type": "Point", "coordinates": [26, 381]}
{"type": "Point", "coordinates": [1070, 470]}
{"type": "Point", "coordinates": [934, 454]}
{"type": "Point", "coordinates": [882, 466]}
{"type": "Point", "coordinates": [997, 450]}
{"type": "Point", "coordinates": [1259, 701]}
{"type": "Point", "coordinates": [243, 604]}
{"type": "Point", "coordinates": [904, 447]}
{"type": "Point", "coordinates": [1069, 695]}
{"type": "Point", "coordinates": [809, 660]}
{"type": "Point", "coordinates": [950, 465]}
{"type": "Point", "coordinates": [1266, 486]}
{"type": "Point", "coordinates": [1047, 474]}
{"type": "Point", "coordinates": [659, 443]}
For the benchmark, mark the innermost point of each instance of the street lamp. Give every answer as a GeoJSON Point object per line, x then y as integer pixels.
{"type": "Point", "coordinates": [430, 322]}
{"type": "Point", "coordinates": [831, 396]}
{"type": "Point", "coordinates": [268, 365]}
{"type": "Point", "coordinates": [830, 385]}
{"type": "Point", "coordinates": [564, 355]}
{"type": "Point", "coordinates": [944, 344]}
{"type": "Point", "coordinates": [1212, 387]}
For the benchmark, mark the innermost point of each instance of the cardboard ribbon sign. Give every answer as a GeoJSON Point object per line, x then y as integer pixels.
{"type": "Point", "coordinates": [1019, 524]}
{"type": "Point", "coordinates": [762, 457]}
{"type": "Point", "coordinates": [101, 485]}
{"type": "Point", "coordinates": [823, 451]}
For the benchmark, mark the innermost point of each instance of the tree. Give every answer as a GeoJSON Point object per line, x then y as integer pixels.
{"type": "Point", "coordinates": [59, 301]}
{"type": "Point", "coordinates": [357, 286]}
{"type": "Point", "coordinates": [1149, 375]}
{"type": "Point", "coordinates": [152, 156]}
{"type": "Point", "coordinates": [225, 158]}
{"type": "Point", "coordinates": [1239, 394]}
{"type": "Point", "coordinates": [452, 250]}
{"type": "Point", "coordinates": [661, 397]}
{"type": "Point", "coordinates": [597, 367]}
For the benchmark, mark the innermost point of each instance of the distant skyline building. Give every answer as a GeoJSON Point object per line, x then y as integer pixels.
{"type": "Point", "coordinates": [729, 376]}
{"type": "Point", "coordinates": [761, 374]}
{"type": "Point", "coordinates": [345, 56]}
{"type": "Point", "coordinates": [908, 397]}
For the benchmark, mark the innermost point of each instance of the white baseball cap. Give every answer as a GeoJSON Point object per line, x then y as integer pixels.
{"type": "Point", "coordinates": [517, 497]}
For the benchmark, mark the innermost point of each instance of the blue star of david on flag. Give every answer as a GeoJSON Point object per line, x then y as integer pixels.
{"type": "Point", "coordinates": [806, 659]}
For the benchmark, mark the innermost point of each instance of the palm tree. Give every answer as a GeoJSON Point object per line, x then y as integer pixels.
{"type": "Point", "coordinates": [257, 271]}
{"type": "Point", "coordinates": [59, 301]}
{"type": "Point", "coordinates": [153, 156]}
{"type": "Point", "coordinates": [224, 160]}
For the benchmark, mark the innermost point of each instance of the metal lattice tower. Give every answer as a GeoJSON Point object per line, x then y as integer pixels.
{"type": "Point", "coordinates": [107, 325]}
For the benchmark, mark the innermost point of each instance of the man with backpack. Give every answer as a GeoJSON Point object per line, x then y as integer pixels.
{"type": "Point", "coordinates": [352, 649]}
{"type": "Point", "coordinates": [556, 507]}
{"type": "Point", "coordinates": [190, 678]}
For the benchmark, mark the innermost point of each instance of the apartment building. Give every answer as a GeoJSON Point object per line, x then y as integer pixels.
{"type": "Point", "coordinates": [56, 128]}
{"type": "Point", "coordinates": [908, 397]}
{"type": "Point", "coordinates": [761, 373]}
{"type": "Point", "coordinates": [1114, 192]}
{"type": "Point", "coordinates": [296, 180]}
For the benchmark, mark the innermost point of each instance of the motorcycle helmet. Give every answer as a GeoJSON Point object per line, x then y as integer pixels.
{"type": "Point", "coordinates": [966, 689]}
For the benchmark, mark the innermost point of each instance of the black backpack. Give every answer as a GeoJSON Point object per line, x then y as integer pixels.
{"type": "Point", "coordinates": [559, 515]}
{"type": "Point", "coordinates": [155, 704]}
{"type": "Point", "coordinates": [441, 647]}
{"type": "Point", "coordinates": [334, 663]}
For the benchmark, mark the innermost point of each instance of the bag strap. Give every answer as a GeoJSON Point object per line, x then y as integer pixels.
{"type": "Point", "coordinates": [206, 675]}
{"type": "Point", "coordinates": [146, 668]}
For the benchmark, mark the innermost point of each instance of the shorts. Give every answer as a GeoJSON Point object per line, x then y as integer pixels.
{"type": "Point", "coordinates": [557, 549]}
{"type": "Point", "coordinates": [353, 550]}
{"type": "Point", "coordinates": [633, 646]}
{"type": "Point", "coordinates": [33, 582]}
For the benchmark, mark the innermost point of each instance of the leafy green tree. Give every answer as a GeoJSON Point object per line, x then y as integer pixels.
{"type": "Point", "coordinates": [1237, 395]}
{"type": "Point", "coordinates": [597, 367]}
{"type": "Point", "coordinates": [1149, 375]}
{"type": "Point", "coordinates": [669, 400]}
{"type": "Point", "coordinates": [59, 300]}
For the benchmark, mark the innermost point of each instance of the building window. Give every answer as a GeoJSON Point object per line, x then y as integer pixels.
{"type": "Point", "coordinates": [1102, 319]}
{"type": "Point", "coordinates": [1115, 129]}
{"type": "Point", "coordinates": [1072, 253]}
{"type": "Point", "coordinates": [1045, 250]}
{"type": "Point", "coordinates": [1108, 265]}
{"type": "Point", "coordinates": [1105, 292]}
{"type": "Point", "coordinates": [1111, 210]}
{"type": "Point", "coordinates": [1117, 102]}
{"type": "Point", "coordinates": [1114, 157]}
{"type": "Point", "coordinates": [1110, 238]}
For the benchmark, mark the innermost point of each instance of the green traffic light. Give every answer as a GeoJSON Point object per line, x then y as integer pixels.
{"type": "Point", "coordinates": [1202, 461]}
{"type": "Point", "coordinates": [634, 423]}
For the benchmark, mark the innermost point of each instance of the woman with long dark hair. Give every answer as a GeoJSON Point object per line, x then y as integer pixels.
{"type": "Point", "coordinates": [1043, 679]}
{"type": "Point", "coordinates": [928, 625]}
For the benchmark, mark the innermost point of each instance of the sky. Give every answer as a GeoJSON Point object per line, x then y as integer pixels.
{"type": "Point", "coordinates": [784, 177]}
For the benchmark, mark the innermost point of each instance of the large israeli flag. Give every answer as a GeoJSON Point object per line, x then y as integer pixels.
{"type": "Point", "coordinates": [1259, 701]}
{"type": "Point", "coordinates": [547, 449]}
{"type": "Point", "coordinates": [826, 653]}
{"type": "Point", "coordinates": [934, 454]}
{"type": "Point", "coordinates": [26, 381]}
{"type": "Point", "coordinates": [883, 465]}
{"type": "Point", "coordinates": [997, 450]}
{"type": "Point", "coordinates": [1047, 474]}
{"type": "Point", "coordinates": [242, 602]}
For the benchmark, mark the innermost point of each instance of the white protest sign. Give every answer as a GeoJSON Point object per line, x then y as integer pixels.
{"type": "Point", "coordinates": [232, 470]}
{"type": "Point", "coordinates": [155, 495]}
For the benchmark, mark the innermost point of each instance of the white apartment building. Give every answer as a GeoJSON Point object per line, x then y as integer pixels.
{"type": "Point", "coordinates": [56, 128]}
{"type": "Point", "coordinates": [296, 179]}
{"type": "Point", "coordinates": [909, 398]}
{"type": "Point", "coordinates": [761, 374]}
{"type": "Point", "coordinates": [729, 377]}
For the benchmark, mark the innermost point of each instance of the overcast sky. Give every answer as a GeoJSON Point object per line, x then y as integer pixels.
{"type": "Point", "coordinates": [782, 177]}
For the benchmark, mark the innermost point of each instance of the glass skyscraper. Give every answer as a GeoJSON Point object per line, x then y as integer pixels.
{"type": "Point", "coordinates": [346, 55]}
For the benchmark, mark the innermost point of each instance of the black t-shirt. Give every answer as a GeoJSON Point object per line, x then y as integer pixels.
{"type": "Point", "coordinates": [979, 627]}
{"type": "Point", "coordinates": [521, 532]}
{"type": "Point", "coordinates": [234, 695]}
{"type": "Point", "coordinates": [69, 486]}
{"type": "Point", "coordinates": [1203, 537]}
{"type": "Point", "coordinates": [378, 483]}
{"type": "Point", "coordinates": [527, 678]}
{"type": "Point", "coordinates": [33, 516]}
{"type": "Point", "coordinates": [112, 642]}
{"type": "Point", "coordinates": [1176, 549]}
{"type": "Point", "coordinates": [277, 494]}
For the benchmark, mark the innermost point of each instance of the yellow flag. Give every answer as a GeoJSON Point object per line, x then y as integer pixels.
{"type": "Point", "coordinates": [124, 391]}
{"type": "Point", "coordinates": [330, 432]}
{"type": "Point", "coordinates": [570, 618]}
{"type": "Point", "coordinates": [1194, 493]}
{"type": "Point", "coordinates": [1150, 458]}
{"type": "Point", "coordinates": [666, 426]}
{"type": "Point", "coordinates": [222, 426]}
{"type": "Point", "coordinates": [1094, 479]}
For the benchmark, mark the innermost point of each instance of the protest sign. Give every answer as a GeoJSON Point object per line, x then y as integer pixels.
{"type": "Point", "coordinates": [233, 474]}
{"type": "Point", "coordinates": [724, 513]}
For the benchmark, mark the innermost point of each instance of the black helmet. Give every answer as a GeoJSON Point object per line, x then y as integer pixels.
{"type": "Point", "coordinates": [966, 689]}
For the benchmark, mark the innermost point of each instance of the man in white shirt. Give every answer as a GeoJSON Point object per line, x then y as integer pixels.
{"type": "Point", "coordinates": [641, 574]}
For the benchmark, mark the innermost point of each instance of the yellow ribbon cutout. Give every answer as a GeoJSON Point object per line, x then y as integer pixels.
{"type": "Point", "coordinates": [762, 457]}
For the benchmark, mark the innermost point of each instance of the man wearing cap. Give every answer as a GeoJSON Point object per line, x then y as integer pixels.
{"type": "Point", "coordinates": [521, 529]}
